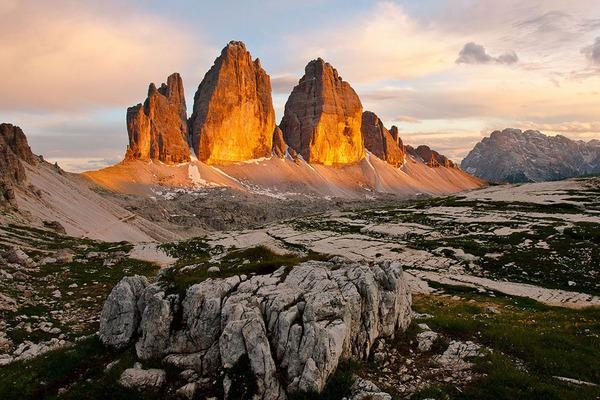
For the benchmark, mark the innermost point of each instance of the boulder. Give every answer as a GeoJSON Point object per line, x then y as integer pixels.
{"type": "Point", "coordinates": [121, 313]}
{"type": "Point", "coordinates": [293, 326]}
{"type": "Point", "coordinates": [380, 142]}
{"type": "Point", "coordinates": [363, 389]}
{"type": "Point", "coordinates": [322, 117]}
{"type": "Point", "coordinates": [140, 379]}
{"type": "Point", "coordinates": [233, 117]}
{"type": "Point", "coordinates": [158, 128]}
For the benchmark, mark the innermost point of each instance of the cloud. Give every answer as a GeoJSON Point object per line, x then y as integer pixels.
{"type": "Point", "coordinates": [473, 53]}
{"type": "Point", "coordinates": [283, 83]}
{"type": "Point", "coordinates": [574, 129]}
{"type": "Point", "coordinates": [592, 52]}
{"type": "Point", "coordinates": [67, 55]}
{"type": "Point", "coordinates": [406, 118]}
{"type": "Point", "coordinates": [382, 43]}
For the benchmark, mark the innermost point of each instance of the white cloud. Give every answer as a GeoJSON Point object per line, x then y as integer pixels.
{"type": "Point", "coordinates": [68, 55]}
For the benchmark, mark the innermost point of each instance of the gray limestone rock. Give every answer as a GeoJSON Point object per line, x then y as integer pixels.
{"type": "Point", "coordinates": [294, 325]}
{"type": "Point", "coordinates": [121, 313]}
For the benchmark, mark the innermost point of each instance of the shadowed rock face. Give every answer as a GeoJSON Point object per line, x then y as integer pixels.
{"type": "Point", "coordinates": [293, 326]}
{"type": "Point", "coordinates": [13, 149]}
{"type": "Point", "coordinates": [380, 142]}
{"type": "Point", "coordinates": [158, 128]}
{"type": "Point", "coordinates": [233, 118]}
{"type": "Point", "coordinates": [512, 155]}
{"type": "Point", "coordinates": [430, 157]}
{"type": "Point", "coordinates": [323, 116]}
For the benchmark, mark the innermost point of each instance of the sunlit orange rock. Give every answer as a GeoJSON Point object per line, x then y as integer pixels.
{"type": "Point", "coordinates": [158, 128]}
{"type": "Point", "coordinates": [233, 118]}
{"type": "Point", "coordinates": [279, 145]}
{"type": "Point", "coordinates": [379, 141]}
{"type": "Point", "coordinates": [323, 116]}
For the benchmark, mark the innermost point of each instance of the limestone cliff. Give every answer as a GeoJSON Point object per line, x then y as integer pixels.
{"type": "Point", "coordinates": [233, 117]}
{"type": "Point", "coordinates": [323, 116]}
{"type": "Point", "coordinates": [158, 128]}
{"type": "Point", "coordinates": [380, 142]}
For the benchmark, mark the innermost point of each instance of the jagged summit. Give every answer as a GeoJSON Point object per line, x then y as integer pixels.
{"type": "Point", "coordinates": [158, 129]}
{"type": "Point", "coordinates": [322, 117]}
{"type": "Point", "coordinates": [512, 155]}
{"type": "Point", "coordinates": [233, 117]}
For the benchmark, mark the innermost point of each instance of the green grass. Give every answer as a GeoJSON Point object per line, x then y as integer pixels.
{"type": "Point", "coordinates": [549, 341]}
{"type": "Point", "coordinates": [258, 260]}
{"type": "Point", "coordinates": [337, 387]}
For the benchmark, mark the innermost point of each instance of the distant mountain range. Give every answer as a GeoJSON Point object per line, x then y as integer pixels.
{"type": "Point", "coordinates": [515, 156]}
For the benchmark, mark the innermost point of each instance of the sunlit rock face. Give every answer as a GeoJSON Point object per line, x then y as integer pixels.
{"type": "Point", "coordinates": [158, 128]}
{"type": "Point", "coordinates": [323, 116]}
{"type": "Point", "coordinates": [233, 117]}
{"type": "Point", "coordinates": [279, 145]}
{"type": "Point", "coordinates": [379, 141]}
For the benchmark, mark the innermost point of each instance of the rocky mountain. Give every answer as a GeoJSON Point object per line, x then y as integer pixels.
{"type": "Point", "coordinates": [292, 326]}
{"type": "Point", "coordinates": [158, 128]}
{"type": "Point", "coordinates": [14, 150]}
{"type": "Point", "coordinates": [379, 141]}
{"type": "Point", "coordinates": [233, 118]}
{"type": "Point", "coordinates": [38, 194]}
{"type": "Point", "coordinates": [322, 117]}
{"type": "Point", "coordinates": [430, 157]}
{"type": "Point", "coordinates": [512, 155]}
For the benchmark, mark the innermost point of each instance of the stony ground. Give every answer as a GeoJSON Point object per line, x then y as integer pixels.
{"type": "Point", "coordinates": [505, 283]}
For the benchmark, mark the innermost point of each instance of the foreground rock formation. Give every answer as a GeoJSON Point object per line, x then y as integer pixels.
{"type": "Point", "coordinates": [380, 142]}
{"type": "Point", "coordinates": [323, 116]}
{"type": "Point", "coordinates": [293, 326]}
{"type": "Point", "coordinates": [158, 128]}
{"type": "Point", "coordinates": [512, 155]}
{"type": "Point", "coordinates": [13, 150]}
{"type": "Point", "coordinates": [233, 118]}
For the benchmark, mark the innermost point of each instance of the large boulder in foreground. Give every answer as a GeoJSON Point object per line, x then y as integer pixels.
{"type": "Point", "coordinates": [233, 117]}
{"type": "Point", "coordinates": [380, 142]}
{"type": "Point", "coordinates": [290, 328]}
{"type": "Point", "coordinates": [158, 128]}
{"type": "Point", "coordinates": [322, 117]}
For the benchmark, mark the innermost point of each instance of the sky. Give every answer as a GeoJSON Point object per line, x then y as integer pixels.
{"type": "Point", "coordinates": [447, 73]}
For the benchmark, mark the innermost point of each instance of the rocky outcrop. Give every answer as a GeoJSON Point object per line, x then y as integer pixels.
{"type": "Point", "coordinates": [158, 128]}
{"type": "Point", "coordinates": [279, 145]}
{"type": "Point", "coordinates": [122, 313]}
{"type": "Point", "coordinates": [430, 157]}
{"type": "Point", "coordinates": [233, 118]}
{"type": "Point", "coordinates": [512, 155]}
{"type": "Point", "coordinates": [13, 150]}
{"type": "Point", "coordinates": [292, 327]}
{"type": "Point", "coordinates": [380, 142]}
{"type": "Point", "coordinates": [322, 117]}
